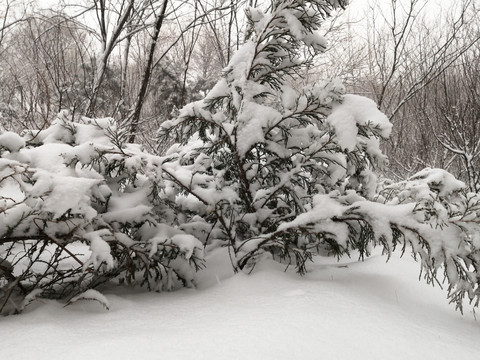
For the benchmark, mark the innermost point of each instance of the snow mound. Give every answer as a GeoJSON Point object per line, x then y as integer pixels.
{"type": "Point", "coordinates": [11, 141]}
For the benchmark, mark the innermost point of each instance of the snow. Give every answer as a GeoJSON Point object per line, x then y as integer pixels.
{"type": "Point", "coordinates": [293, 24]}
{"type": "Point", "coordinates": [91, 294]}
{"type": "Point", "coordinates": [439, 179]}
{"type": "Point", "coordinates": [100, 250]}
{"type": "Point", "coordinates": [367, 310]}
{"type": "Point", "coordinates": [356, 110]}
{"type": "Point", "coordinates": [253, 120]}
{"type": "Point", "coordinates": [11, 141]}
{"type": "Point", "coordinates": [66, 193]}
{"type": "Point", "coordinates": [324, 208]}
{"type": "Point", "coordinates": [316, 40]}
{"type": "Point", "coordinates": [132, 215]}
{"type": "Point", "coordinates": [187, 244]}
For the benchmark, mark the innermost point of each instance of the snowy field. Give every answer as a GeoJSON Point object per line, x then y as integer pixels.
{"type": "Point", "coordinates": [369, 310]}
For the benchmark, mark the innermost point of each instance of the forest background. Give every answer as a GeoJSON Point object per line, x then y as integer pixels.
{"type": "Point", "coordinates": [140, 61]}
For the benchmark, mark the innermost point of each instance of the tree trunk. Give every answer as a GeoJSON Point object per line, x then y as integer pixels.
{"type": "Point", "coordinates": [135, 117]}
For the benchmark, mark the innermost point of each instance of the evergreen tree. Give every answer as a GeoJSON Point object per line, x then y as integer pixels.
{"type": "Point", "coordinates": [270, 168]}
{"type": "Point", "coordinates": [256, 150]}
{"type": "Point", "coordinates": [79, 207]}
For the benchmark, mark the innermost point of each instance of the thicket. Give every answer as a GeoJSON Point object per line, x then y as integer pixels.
{"type": "Point", "coordinates": [261, 165]}
{"type": "Point", "coordinates": [80, 207]}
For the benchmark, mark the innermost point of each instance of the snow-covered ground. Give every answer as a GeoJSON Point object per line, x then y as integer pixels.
{"type": "Point", "coordinates": [369, 310]}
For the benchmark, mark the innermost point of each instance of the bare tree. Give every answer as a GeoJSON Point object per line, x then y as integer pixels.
{"type": "Point", "coordinates": [108, 40]}
{"type": "Point", "coordinates": [406, 43]}
{"type": "Point", "coordinates": [191, 29]}
{"type": "Point", "coordinates": [135, 118]}
{"type": "Point", "coordinates": [454, 116]}
{"type": "Point", "coordinates": [10, 17]}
